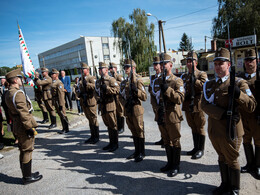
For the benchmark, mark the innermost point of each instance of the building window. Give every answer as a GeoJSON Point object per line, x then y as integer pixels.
{"type": "Point", "coordinates": [106, 57]}
{"type": "Point", "coordinates": [105, 45]}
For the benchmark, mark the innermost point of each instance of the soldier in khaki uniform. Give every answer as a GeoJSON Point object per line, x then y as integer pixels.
{"type": "Point", "coordinates": [133, 108]}
{"type": "Point", "coordinates": [24, 125]}
{"type": "Point", "coordinates": [170, 95]}
{"type": "Point", "coordinates": [39, 98]}
{"type": "Point", "coordinates": [152, 90]}
{"type": "Point", "coordinates": [86, 92]}
{"type": "Point", "coordinates": [215, 104]}
{"type": "Point", "coordinates": [119, 107]}
{"type": "Point", "coordinates": [194, 115]}
{"type": "Point", "coordinates": [58, 100]}
{"type": "Point", "coordinates": [251, 121]}
{"type": "Point", "coordinates": [47, 98]}
{"type": "Point", "coordinates": [107, 88]}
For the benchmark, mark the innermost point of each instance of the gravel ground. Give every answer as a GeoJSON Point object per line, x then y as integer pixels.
{"type": "Point", "coordinates": [71, 167]}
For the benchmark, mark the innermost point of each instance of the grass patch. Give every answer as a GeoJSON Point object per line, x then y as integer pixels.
{"type": "Point", "coordinates": [38, 113]}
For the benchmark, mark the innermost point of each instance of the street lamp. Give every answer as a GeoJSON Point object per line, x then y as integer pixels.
{"type": "Point", "coordinates": [160, 22]}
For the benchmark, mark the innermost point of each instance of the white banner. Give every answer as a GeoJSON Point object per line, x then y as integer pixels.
{"type": "Point", "coordinates": [28, 68]}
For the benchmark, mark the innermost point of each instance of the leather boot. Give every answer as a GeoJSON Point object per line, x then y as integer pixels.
{"type": "Point", "coordinates": [257, 161]}
{"type": "Point", "coordinates": [65, 127]}
{"type": "Point", "coordinates": [169, 153]}
{"type": "Point", "coordinates": [120, 124]}
{"type": "Point", "coordinates": [136, 144]}
{"type": "Point", "coordinates": [28, 177]}
{"type": "Point", "coordinates": [90, 140]}
{"type": "Point", "coordinates": [176, 158]}
{"type": "Point", "coordinates": [110, 140]}
{"type": "Point", "coordinates": [53, 122]}
{"type": "Point", "coordinates": [250, 158]}
{"type": "Point", "coordinates": [95, 134]}
{"type": "Point", "coordinates": [234, 176]}
{"type": "Point", "coordinates": [45, 117]}
{"type": "Point", "coordinates": [201, 144]}
{"type": "Point", "coordinates": [114, 136]}
{"type": "Point", "coordinates": [195, 143]}
{"type": "Point", "coordinates": [160, 142]}
{"type": "Point", "coordinates": [141, 153]}
{"type": "Point", "coordinates": [224, 186]}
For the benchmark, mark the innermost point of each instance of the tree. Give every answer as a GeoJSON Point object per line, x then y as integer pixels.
{"type": "Point", "coordinates": [242, 15]}
{"type": "Point", "coordinates": [185, 43]}
{"type": "Point", "coordinates": [5, 69]}
{"type": "Point", "coordinates": [140, 35]}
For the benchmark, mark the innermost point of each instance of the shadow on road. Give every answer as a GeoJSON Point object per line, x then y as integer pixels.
{"type": "Point", "coordinates": [126, 177]}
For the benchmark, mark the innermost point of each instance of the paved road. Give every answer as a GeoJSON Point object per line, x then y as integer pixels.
{"type": "Point", "coordinates": [71, 167]}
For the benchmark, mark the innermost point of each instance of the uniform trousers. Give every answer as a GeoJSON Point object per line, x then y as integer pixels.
{"type": "Point", "coordinates": [26, 147]}
{"type": "Point", "coordinates": [196, 121]}
{"type": "Point", "coordinates": [228, 151]}
{"type": "Point", "coordinates": [136, 125]}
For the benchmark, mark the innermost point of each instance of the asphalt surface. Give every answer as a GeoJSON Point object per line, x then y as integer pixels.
{"type": "Point", "coordinates": [71, 167]}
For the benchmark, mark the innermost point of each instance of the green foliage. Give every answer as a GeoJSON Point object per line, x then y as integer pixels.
{"type": "Point", "coordinates": [242, 15]}
{"type": "Point", "coordinates": [75, 71]}
{"type": "Point", "coordinates": [141, 37]}
{"type": "Point", "coordinates": [185, 43]}
{"type": "Point", "coordinates": [5, 69]}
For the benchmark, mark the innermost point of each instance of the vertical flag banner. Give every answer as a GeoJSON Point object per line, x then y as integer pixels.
{"type": "Point", "coordinates": [28, 68]}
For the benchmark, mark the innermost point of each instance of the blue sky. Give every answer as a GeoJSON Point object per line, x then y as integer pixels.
{"type": "Point", "coordinates": [47, 24]}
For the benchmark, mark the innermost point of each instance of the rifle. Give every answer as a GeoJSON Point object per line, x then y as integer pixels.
{"type": "Point", "coordinates": [192, 83]}
{"type": "Point", "coordinates": [130, 102]}
{"type": "Point", "coordinates": [83, 93]}
{"type": "Point", "coordinates": [111, 67]}
{"type": "Point", "coordinates": [101, 95]}
{"type": "Point", "coordinates": [162, 104]}
{"type": "Point", "coordinates": [257, 81]}
{"type": "Point", "coordinates": [231, 101]}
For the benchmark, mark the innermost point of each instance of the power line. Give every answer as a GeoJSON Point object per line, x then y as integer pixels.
{"type": "Point", "coordinates": [192, 12]}
{"type": "Point", "coordinates": [188, 24]}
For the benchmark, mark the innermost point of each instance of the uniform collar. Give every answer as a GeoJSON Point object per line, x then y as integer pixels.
{"type": "Point", "coordinates": [223, 79]}
{"type": "Point", "coordinates": [252, 75]}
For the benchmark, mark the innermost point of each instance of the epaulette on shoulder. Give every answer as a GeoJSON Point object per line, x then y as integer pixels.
{"type": "Point", "coordinates": [238, 79]}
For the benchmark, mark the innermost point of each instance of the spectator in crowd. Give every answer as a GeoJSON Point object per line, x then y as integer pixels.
{"type": "Point", "coordinates": [74, 94]}
{"type": "Point", "coordinates": [66, 82]}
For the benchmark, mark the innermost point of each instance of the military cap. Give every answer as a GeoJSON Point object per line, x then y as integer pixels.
{"type": "Point", "coordinates": [44, 69]}
{"type": "Point", "coordinates": [13, 73]}
{"type": "Point", "coordinates": [54, 71]}
{"type": "Point", "coordinates": [102, 65]}
{"type": "Point", "coordinates": [189, 56]}
{"type": "Point", "coordinates": [250, 54]}
{"type": "Point", "coordinates": [222, 54]}
{"type": "Point", "coordinates": [112, 65]}
{"type": "Point", "coordinates": [165, 58]}
{"type": "Point", "coordinates": [156, 60]}
{"type": "Point", "coordinates": [84, 65]}
{"type": "Point", "coordinates": [127, 62]}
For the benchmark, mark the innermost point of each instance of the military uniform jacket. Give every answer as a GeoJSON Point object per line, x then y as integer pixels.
{"type": "Point", "coordinates": [108, 100]}
{"type": "Point", "coordinates": [215, 104]}
{"type": "Point", "coordinates": [88, 90]}
{"type": "Point", "coordinates": [38, 92]}
{"type": "Point", "coordinates": [19, 109]}
{"type": "Point", "coordinates": [58, 93]}
{"type": "Point", "coordinates": [200, 79]}
{"type": "Point", "coordinates": [151, 88]}
{"type": "Point", "coordinates": [140, 96]}
{"type": "Point", "coordinates": [251, 83]}
{"type": "Point", "coordinates": [173, 97]}
{"type": "Point", "coordinates": [46, 87]}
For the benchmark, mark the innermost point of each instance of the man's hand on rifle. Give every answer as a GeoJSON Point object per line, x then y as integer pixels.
{"type": "Point", "coordinates": [104, 88]}
{"type": "Point", "coordinates": [236, 91]}
{"type": "Point", "coordinates": [164, 87]}
{"type": "Point", "coordinates": [134, 89]}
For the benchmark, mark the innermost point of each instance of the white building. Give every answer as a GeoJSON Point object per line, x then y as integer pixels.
{"type": "Point", "coordinates": [90, 50]}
